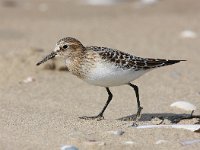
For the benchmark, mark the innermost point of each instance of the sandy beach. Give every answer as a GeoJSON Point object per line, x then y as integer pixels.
{"type": "Point", "coordinates": [40, 106]}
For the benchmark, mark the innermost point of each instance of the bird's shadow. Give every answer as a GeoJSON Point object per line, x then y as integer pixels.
{"type": "Point", "coordinates": [173, 118]}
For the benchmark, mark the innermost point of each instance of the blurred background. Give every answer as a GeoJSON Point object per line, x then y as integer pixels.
{"type": "Point", "coordinates": [41, 105]}
{"type": "Point", "coordinates": [151, 28]}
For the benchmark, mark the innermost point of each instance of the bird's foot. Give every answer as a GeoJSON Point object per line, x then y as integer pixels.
{"type": "Point", "coordinates": [138, 115]}
{"type": "Point", "coordinates": [98, 117]}
{"type": "Point", "coordinates": [135, 124]}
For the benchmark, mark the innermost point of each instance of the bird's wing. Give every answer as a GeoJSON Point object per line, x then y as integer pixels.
{"type": "Point", "coordinates": [127, 61]}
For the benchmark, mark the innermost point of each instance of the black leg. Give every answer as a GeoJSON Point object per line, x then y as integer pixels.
{"type": "Point", "coordinates": [139, 108]}
{"type": "Point", "coordinates": [100, 115]}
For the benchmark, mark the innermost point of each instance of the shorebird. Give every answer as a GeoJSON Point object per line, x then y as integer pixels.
{"type": "Point", "coordinates": [105, 67]}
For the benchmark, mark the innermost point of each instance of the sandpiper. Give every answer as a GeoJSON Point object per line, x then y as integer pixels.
{"type": "Point", "coordinates": [105, 67]}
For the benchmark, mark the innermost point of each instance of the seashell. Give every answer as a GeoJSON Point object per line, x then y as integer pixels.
{"type": "Point", "coordinates": [188, 34]}
{"type": "Point", "coordinates": [184, 105]}
{"type": "Point", "coordinates": [68, 147]}
{"type": "Point", "coordinates": [161, 141]}
{"type": "Point", "coordinates": [104, 2]}
{"type": "Point", "coordinates": [99, 143]}
{"type": "Point", "coordinates": [156, 121]}
{"type": "Point", "coordinates": [190, 127]}
{"type": "Point", "coordinates": [28, 79]}
{"type": "Point", "coordinates": [118, 132]}
{"type": "Point", "coordinates": [148, 2]}
{"type": "Point", "coordinates": [189, 142]}
{"type": "Point", "coordinates": [129, 142]}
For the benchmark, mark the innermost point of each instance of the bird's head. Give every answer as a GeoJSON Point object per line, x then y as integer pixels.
{"type": "Point", "coordinates": [66, 48]}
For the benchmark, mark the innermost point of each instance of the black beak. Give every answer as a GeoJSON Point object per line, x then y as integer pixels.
{"type": "Point", "coordinates": [50, 56]}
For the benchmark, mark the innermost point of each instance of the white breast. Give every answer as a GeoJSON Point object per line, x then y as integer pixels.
{"type": "Point", "coordinates": [106, 75]}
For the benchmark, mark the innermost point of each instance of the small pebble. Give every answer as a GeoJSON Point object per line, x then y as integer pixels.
{"type": "Point", "coordinates": [118, 132]}
{"type": "Point", "coordinates": [69, 147]}
{"type": "Point", "coordinates": [190, 127]}
{"type": "Point", "coordinates": [184, 105]}
{"type": "Point", "coordinates": [148, 2]}
{"type": "Point", "coordinates": [28, 80]}
{"type": "Point", "coordinates": [143, 3]}
{"type": "Point", "coordinates": [197, 130]}
{"type": "Point", "coordinates": [188, 34]}
{"type": "Point", "coordinates": [129, 142]}
{"type": "Point", "coordinates": [189, 142]}
{"type": "Point", "coordinates": [156, 121]}
{"type": "Point", "coordinates": [161, 141]}
{"type": "Point", "coordinates": [95, 143]}
{"type": "Point", "coordinates": [100, 2]}
{"type": "Point", "coordinates": [103, 2]}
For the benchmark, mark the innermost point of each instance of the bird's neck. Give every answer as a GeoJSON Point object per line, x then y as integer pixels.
{"type": "Point", "coordinates": [74, 62]}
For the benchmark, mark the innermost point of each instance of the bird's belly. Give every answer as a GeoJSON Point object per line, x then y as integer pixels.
{"type": "Point", "coordinates": [111, 75]}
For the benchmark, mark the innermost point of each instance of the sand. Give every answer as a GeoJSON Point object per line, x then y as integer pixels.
{"type": "Point", "coordinates": [43, 113]}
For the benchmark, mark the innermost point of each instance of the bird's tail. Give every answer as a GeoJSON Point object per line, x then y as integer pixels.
{"type": "Point", "coordinates": [171, 62]}
{"type": "Point", "coordinates": [154, 63]}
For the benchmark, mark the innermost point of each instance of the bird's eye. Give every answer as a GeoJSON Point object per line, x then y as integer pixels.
{"type": "Point", "coordinates": [65, 46]}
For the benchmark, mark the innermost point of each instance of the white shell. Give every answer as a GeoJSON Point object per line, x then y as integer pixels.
{"type": "Point", "coordinates": [97, 143]}
{"type": "Point", "coordinates": [189, 142]}
{"type": "Point", "coordinates": [161, 141]}
{"type": "Point", "coordinates": [69, 147]}
{"type": "Point", "coordinates": [177, 126]}
{"type": "Point", "coordinates": [118, 132]}
{"type": "Point", "coordinates": [184, 105]}
{"type": "Point", "coordinates": [102, 2]}
{"type": "Point", "coordinates": [188, 34]}
{"type": "Point", "coordinates": [129, 142]}
{"type": "Point", "coordinates": [28, 79]}
{"type": "Point", "coordinates": [148, 2]}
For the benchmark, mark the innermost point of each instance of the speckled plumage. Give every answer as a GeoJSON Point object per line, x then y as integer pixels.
{"type": "Point", "coordinates": [127, 61]}
{"type": "Point", "coordinates": [107, 67]}
{"type": "Point", "coordinates": [104, 66]}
